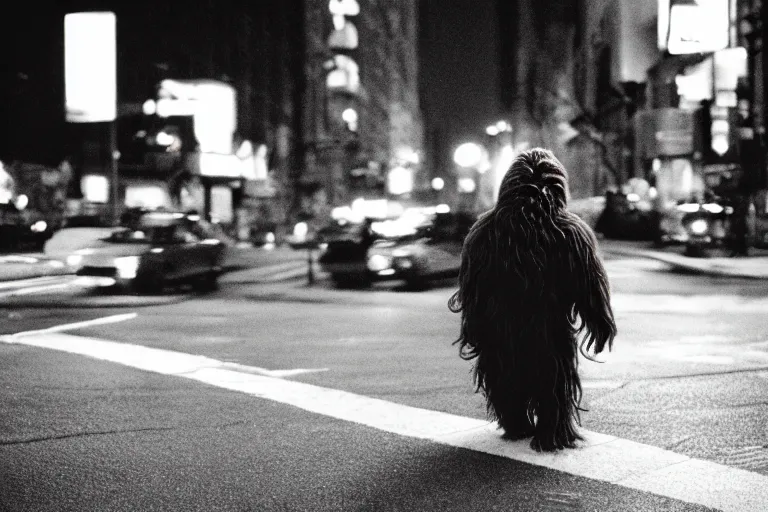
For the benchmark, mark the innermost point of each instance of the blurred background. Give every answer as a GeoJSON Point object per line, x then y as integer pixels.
{"type": "Point", "coordinates": [263, 115]}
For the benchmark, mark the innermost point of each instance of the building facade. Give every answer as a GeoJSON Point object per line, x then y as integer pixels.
{"type": "Point", "coordinates": [362, 119]}
{"type": "Point", "coordinates": [315, 115]}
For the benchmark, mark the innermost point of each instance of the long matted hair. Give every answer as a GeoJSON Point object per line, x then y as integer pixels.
{"type": "Point", "coordinates": [530, 285]}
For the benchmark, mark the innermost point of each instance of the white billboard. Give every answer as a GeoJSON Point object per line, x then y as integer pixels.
{"type": "Point", "coordinates": [693, 26]}
{"type": "Point", "coordinates": [90, 67]}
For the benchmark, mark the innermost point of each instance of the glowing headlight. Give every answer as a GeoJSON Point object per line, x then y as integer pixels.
{"type": "Point", "coordinates": [74, 260]}
{"type": "Point", "coordinates": [39, 226]}
{"type": "Point", "coordinates": [699, 227]}
{"type": "Point", "coordinates": [127, 266]}
{"type": "Point", "coordinates": [378, 262]}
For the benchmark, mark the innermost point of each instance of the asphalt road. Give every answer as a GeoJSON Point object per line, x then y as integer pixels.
{"type": "Point", "coordinates": [319, 399]}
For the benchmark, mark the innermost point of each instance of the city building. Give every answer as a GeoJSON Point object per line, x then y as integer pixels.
{"type": "Point", "coordinates": [318, 104]}
{"type": "Point", "coordinates": [363, 128]}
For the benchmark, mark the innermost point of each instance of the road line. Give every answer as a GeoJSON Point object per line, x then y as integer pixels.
{"type": "Point", "coordinates": [78, 325]}
{"type": "Point", "coordinates": [602, 457]}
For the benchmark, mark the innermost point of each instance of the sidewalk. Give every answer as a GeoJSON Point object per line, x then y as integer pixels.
{"type": "Point", "coordinates": [754, 266]}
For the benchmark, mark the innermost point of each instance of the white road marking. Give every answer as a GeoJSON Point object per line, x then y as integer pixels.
{"type": "Point", "coordinates": [78, 325]}
{"type": "Point", "coordinates": [269, 373]}
{"type": "Point", "coordinates": [602, 457]}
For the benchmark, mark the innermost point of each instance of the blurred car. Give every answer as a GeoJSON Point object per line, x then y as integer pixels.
{"type": "Point", "coordinates": [412, 249]}
{"type": "Point", "coordinates": [22, 231]}
{"type": "Point", "coordinates": [151, 251]}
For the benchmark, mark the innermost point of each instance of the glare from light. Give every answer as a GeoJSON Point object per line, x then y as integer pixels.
{"type": "Point", "coordinates": [344, 7]}
{"type": "Point", "coordinates": [21, 202]}
{"type": "Point", "coordinates": [492, 130]}
{"type": "Point", "coordinates": [350, 117]}
{"type": "Point", "coordinates": [656, 165]}
{"type": "Point", "coordinates": [95, 188]}
{"type": "Point", "coordinates": [633, 198]}
{"type": "Point", "coordinates": [699, 227]}
{"type": "Point", "coordinates": [468, 154]}
{"type": "Point", "coordinates": [74, 260]}
{"type": "Point", "coordinates": [688, 207]}
{"type": "Point", "coordinates": [127, 266]}
{"type": "Point", "coordinates": [399, 181]}
{"type": "Point", "coordinates": [713, 208]}
{"type": "Point", "coordinates": [467, 185]}
{"type": "Point", "coordinates": [149, 108]}
{"type": "Point", "coordinates": [438, 183]}
{"type": "Point", "coordinates": [503, 126]}
{"type": "Point", "coordinates": [379, 262]}
{"type": "Point", "coordinates": [442, 208]}
{"type": "Point", "coordinates": [300, 230]}
{"type": "Point", "coordinates": [39, 226]}
{"type": "Point", "coordinates": [720, 144]}
{"type": "Point", "coordinates": [341, 213]}
{"type": "Point", "coordinates": [164, 139]}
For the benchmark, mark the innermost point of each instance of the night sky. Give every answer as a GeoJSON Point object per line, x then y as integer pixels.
{"type": "Point", "coordinates": [460, 73]}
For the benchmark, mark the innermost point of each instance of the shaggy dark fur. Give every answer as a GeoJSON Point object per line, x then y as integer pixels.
{"type": "Point", "coordinates": [532, 284]}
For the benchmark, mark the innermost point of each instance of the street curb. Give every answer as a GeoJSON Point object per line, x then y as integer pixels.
{"type": "Point", "coordinates": [687, 264]}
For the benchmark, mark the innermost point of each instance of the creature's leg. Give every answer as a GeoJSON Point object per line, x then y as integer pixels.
{"type": "Point", "coordinates": [513, 417]}
{"type": "Point", "coordinates": [556, 407]}
{"type": "Point", "coordinates": [507, 397]}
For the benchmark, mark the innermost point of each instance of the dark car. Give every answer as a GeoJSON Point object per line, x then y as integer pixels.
{"type": "Point", "coordinates": [20, 231]}
{"type": "Point", "coordinates": [153, 251]}
{"type": "Point", "coordinates": [414, 250]}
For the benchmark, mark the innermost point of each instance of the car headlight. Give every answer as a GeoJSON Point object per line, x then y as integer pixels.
{"type": "Point", "coordinates": [74, 260]}
{"type": "Point", "coordinates": [379, 262]}
{"type": "Point", "coordinates": [699, 227]}
{"type": "Point", "coordinates": [39, 226]}
{"type": "Point", "coordinates": [127, 266]}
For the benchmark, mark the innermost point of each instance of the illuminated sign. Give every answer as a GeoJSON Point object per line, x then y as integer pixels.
{"type": "Point", "coordinates": [90, 68]}
{"type": "Point", "coordinates": [212, 105]}
{"type": "Point", "coordinates": [693, 26]}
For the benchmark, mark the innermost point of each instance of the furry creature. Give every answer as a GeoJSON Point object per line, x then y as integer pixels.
{"type": "Point", "coordinates": [531, 285]}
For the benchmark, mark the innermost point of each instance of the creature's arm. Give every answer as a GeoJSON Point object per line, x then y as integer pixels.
{"type": "Point", "coordinates": [592, 301]}
{"type": "Point", "coordinates": [472, 296]}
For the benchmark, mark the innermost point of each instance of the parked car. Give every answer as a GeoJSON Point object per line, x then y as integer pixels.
{"type": "Point", "coordinates": [414, 251]}
{"type": "Point", "coordinates": [151, 251]}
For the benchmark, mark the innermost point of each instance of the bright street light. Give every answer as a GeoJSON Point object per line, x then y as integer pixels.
{"type": "Point", "coordinates": [468, 154]}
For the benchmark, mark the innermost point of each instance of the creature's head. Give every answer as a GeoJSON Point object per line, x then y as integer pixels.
{"type": "Point", "coordinates": [536, 176]}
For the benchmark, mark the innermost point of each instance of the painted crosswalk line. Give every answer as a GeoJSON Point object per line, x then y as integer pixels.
{"type": "Point", "coordinates": [601, 457]}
